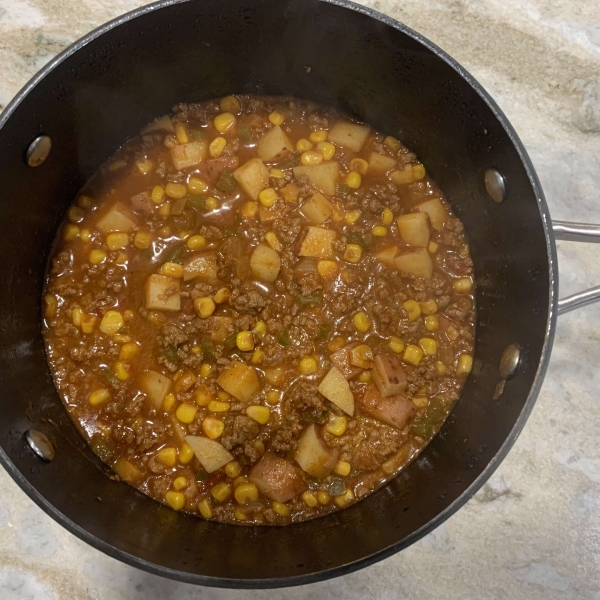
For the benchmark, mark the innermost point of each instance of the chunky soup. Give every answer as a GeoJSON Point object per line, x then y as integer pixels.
{"type": "Point", "coordinates": [259, 311]}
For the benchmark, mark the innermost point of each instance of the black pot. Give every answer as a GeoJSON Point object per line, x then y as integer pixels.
{"type": "Point", "coordinates": [100, 92]}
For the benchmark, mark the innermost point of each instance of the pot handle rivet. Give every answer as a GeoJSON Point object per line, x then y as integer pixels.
{"type": "Point", "coordinates": [494, 184]}
{"type": "Point", "coordinates": [39, 444]}
{"type": "Point", "coordinates": [38, 151]}
{"type": "Point", "coordinates": [510, 361]}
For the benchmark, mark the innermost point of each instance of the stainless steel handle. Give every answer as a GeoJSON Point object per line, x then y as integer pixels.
{"type": "Point", "coordinates": [577, 232]}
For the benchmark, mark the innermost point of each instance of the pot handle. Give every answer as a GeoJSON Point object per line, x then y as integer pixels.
{"type": "Point", "coordinates": [577, 232]}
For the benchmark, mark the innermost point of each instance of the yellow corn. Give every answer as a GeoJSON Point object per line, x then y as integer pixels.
{"type": "Point", "coordinates": [379, 231]}
{"type": "Point", "coordinates": [171, 269]}
{"type": "Point", "coordinates": [156, 318]}
{"type": "Point", "coordinates": [326, 149]}
{"type": "Point", "coordinates": [233, 469]}
{"type": "Point", "coordinates": [308, 365]}
{"type": "Point", "coordinates": [309, 499]}
{"type": "Point", "coordinates": [206, 369]}
{"type": "Point", "coordinates": [196, 242]}
{"type": "Point", "coordinates": [204, 307]}
{"type": "Point", "coordinates": [387, 217]}
{"type": "Point", "coordinates": [222, 295]}
{"type": "Point", "coordinates": [336, 343]}
{"type": "Point", "coordinates": [412, 309]}
{"type": "Point", "coordinates": [223, 396]}
{"type": "Point", "coordinates": [327, 268]}
{"type": "Point", "coordinates": [180, 483]}
{"type": "Point", "coordinates": [273, 241]}
{"type": "Point", "coordinates": [392, 143]}
{"type": "Point", "coordinates": [277, 173]}
{"type": "Point", "coordinates": [362, 322]}
{"type": "Point", "coordinates": [230, 104]}
{"type": "Point", "coordinates": [418, 172]}
{"type": "Point", "coordinates": [323, 497]}
{"type": "Point", "coordinates": [167, 456]}
{"type": "Point", "coordinates": [221, 491]}
{"type": "Point", "coordinates": [396, 344]}
{"type": "Point", "coordinates": [51, 305]}
{"type": "Point", "coordinates": [116, 241]}
{"type": "Point", "coordinates": [212, 203]}
{"type": "Point", "coordinates": [169, 402]}
{"type": "Point", "coordinates": [244, 341]}
{"type": "Point", "coordinates": [186, 454]}
{"type": "Point", "coordinates": [213, 428]}
{"type": "Point", "coordinates": [463, 285]}
{"type": "Point", "coordinates": [175, 500]}
{"type": "Point", "coordinates": [345, 499]}
{"type": "Point", "coordinates": [85, 201]}
{"type": "Point", "coordinates": [75, 214]}
{"type": "Point", "coordinates": [428, 345]}
{"type": "Point", "coordinates": [249, 210]}
{"type": "Point", "coordinates": [88, 323]}
{"type": "Point", "coordinates": [311, 158]}
{"type": "Point", "coordinates": [128, 350]}
{"type": "Point", "coordinates": [217, 146]}
{"type": "Point", "coordinates": [164, 211]}
{"type": "Point", "coordinates": [337, 424]}
{"type": "Point", "coordinates": [99, 396]}
{"type": "Point", "coordinates": [465, 364]}
{"type": "Point", "coordinates": [353, 180]}
{"type": "Point", "coordinates": [353, 253]}
{"type": "Point", "coordinates": [128, 314]}
{"type": "Point", "coordinates": [186, 412]}
{"type": "Point", "coordinates": [281, 509]}
{"type": "Point", "coordinates": [464, 250]}
{"type": "Point", "coordinates": [184, 382]}
{"type": "Point", "coordinates": [431, 322]}
{"type": "Point", "coordinates": [429, 307]}
{"type": "Point", "coordinates": [273, 397]}
{"type": "Point", "coordinates": [77, 315]}
{"type": "Point", "coordinates": [432, 247]}
{"type": "Point", "coordinates": [303, 145]}
{"type": "Point", "coordinates": [111, 322]}
{"type": "Point", "coordinates": [181, 133]}
{"type": "Point", "coordinates": [203, 396]}
{"type": "Point", "coordinates": [96, 256]}
{"type": "Point", "coordinates": [257, 356]}
{"type": "Point", "coordinates": [120, 369]}
{"type": "Point", "coordinates": [267, 197]}
{"type": "Point", "coordinates": [441, 368]}
{"type": "Point", "coordinates": [217, 406]}
{"type": "Point", "coordinates": [158, 194]}
{"type": "Point", "coordinates": [318, 136]}
{"type": "Point", "coordinates": [197, 186]}
{"type": "Point", "coordinates": [365, 377]}
{"type": "Point", "coordinates": [240, 515]}
{"type": "Point", "coordinates": [413, 354]}
{"type": "Point", "coordinates": [260, 446]}
{"type": "Point", "coordinates": [360, 165]}
{"type": "Point", "coordinates": [224, 122]}
{"type": "Point", "coordinates": [175, 190]}
{"type": "Point", "coordinates": [85, 235]}
{"type": "Point", "coordinates": [204, 509]}
{"type": "Point", "coordinates": [352, 217]}
{"type": "Point", "coordinates": [260, 414]}
{"type": "Point", "coordinates": [342, 468]}
{"type": "Point", "coordinates": [142, 240]}
{"type": "Point", "coordinates": [260, 329]}
{"type": "Point", "coordinates": [247, 492]}
{"type": "Point", "coordinates": [121, 258]}
{"type": "Point", "coordinates": [276, 118]}
{"type": "Point", "coordinates": [144, 165]}
{"type": "Point", "coordinates": [420, 401]}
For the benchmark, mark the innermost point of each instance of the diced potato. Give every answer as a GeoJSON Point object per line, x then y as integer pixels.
{"type": "Point", "coordinates": [178, 429]}
{"type": "Point", "coordinates": [414, 229]}
{"type": "Point", "coordinates": [268, 214]}
{"type": "Point", "coordinates": [277, 478]}
{"type": "Point", "coordinates": [221, 328]}
{"type": "Point", "coordinates": [156, 386]}
{"type": "Point", "coordinates": [239, 380]}
{"type": "Point", "coordinates": [378, 163]}
{"type": "Point", "coordinates": [274, 145]}
{"type": "Point", "coordinates": [396, 411]}
{"type": "Point", "coordinates": [436, 211]}
{"type": "Point", "coordinates": [317, 209]}
{"type": "Point", "coordinates": [341, 359]}
{"type": "Point", "coordinates": [388, 375]}
{"type": "Point", "coordinates": [348, 135]}
{"type": "Point", "coordinates": [201, 266]}
{"type": "Point", "coordinates": [188, 155]}
{"type": "Point", "coordinates": [324, 176]}
{"type": "Point", "coordinates": [336, 389]}
{"type": "Point", "coordinates": [317, 243]}
{"type": "Point", "coordinates": [127, 471]}
{"type": "Point", "coordinates": [265, 263]}
{"type": "Point", "coordinates": [252, 177]}
{"type": "Point", "coordinates": [162, 293]}
{"type": "Point", "coordinates": [117, 219]}
{"type": "Point", "coordinates": [210, 453]}
{"type": "Point", "coordinates": [387, 255]}
{"type": "Point", "coordinates": [415, 263]}
{"type": "Point", "coordinates": [163, 123]}
{"type": "Point", "coordinates": [313, 455]}
{"type": "Point", "coordinates": [361, 356]}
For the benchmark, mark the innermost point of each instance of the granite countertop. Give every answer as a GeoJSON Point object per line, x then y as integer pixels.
{"type": "Point", "coordinates": [533, 531]}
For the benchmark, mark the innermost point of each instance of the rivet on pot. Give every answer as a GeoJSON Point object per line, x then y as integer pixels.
{"type": "Point", "coordinates": [38, 150]}
{"type": "Point", "coordinates": [494, 184]}
{"type": "Point", "coordinates": [39, 444]}
{"type": "Point", "coordinates": [510, 361]}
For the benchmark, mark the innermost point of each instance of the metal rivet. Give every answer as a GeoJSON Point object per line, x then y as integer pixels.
{"type": "Point", "coordinates": [38, 150]}
{"type": "Point", "coordinates": [510, 361]}
{"type": "Point", "coordinates": [494, 184]}
{"type": "Point", "coordinates": [40, 444]}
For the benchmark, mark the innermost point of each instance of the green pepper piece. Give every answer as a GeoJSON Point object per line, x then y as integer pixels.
{"type": "Point", "coordinates": [422, 427]}
{"type": "Point", "coordinates": [342, 190]}
{"type": "Point", "coordinates": [208, 350]}
{"type": "Point", "coordinates": [226, 182]}
{"type": "Point", "coordinates": [309, 300]}
{"type": "Point", "coordinates": [147, 253]}
{"type": "Point", "coordinates": [171, 355]}
{"type": "Point", "coordinates": [292, 161]}
{"type": "Point", "coordinates": [283, 338]}
{"type": "Point", "coordinates": [284, 109]}
{"type": "Point", "coordinates": [197, 202]}
{"type": "Point", "coordinates": [102, 448]}
{"type": "Point", "coordinates": [231, 342]}
{"type": "Point", "coordinates": [324, 331]}
{"type": "Point", "coordinates": [108, 375]}
{"type": "Point", "coordinates": [174, 255]}
{"type": "Point", "coordinates": [336, 486]}
{"type": "Point", "coordinates": [196, 136]}
{"type": "Point", "coordinates": [355, 238]}
{"type": "Point", "coordinates": [229, 233]}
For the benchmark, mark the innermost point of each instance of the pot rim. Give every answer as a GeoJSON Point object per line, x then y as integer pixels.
{"type": "Point", "coordinates": [314, 577]}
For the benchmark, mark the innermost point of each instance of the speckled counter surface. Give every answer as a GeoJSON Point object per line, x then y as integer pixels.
{"type": "Point", "coordinates": [533, 531]}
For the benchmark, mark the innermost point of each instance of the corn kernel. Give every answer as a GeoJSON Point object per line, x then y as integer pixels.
{"type": "Point", "coordinates": [432, 247]}
{"type": "Point", "coordinates": [120, 369]}
{"type": "Point", "coordinates": [85, 201]}
{"type": "Point", "coordinates": [429, 307]}
{"type": "Point", "coordinates": [360, 165]}
{"type": "Point", "coordinates": [96, 256]}
{"type": "Point", "coordinates": [196, 242]}
{"type": "Point", "coordinates": [221, 491]}
{"type": "Point", "coordinates": [412, 309]}
{"type": "Point", "coordinates": [336, 343]}
{"type": "Point", "coordinates": [181, 133]}
{"type": "Point", "coordinates": [99, 396]}
{"type": "Point", "coordinates": [164, 211]}
{"type": "Point", "coordinates": [203, 396]}
{"type": "Point", "coordinates": [273, 241]}
{"type": "Point", "coordinates": [392, 143]}
{"type": "Point", "coordinates": [338, 214]}
{"type": "Point", "coordinates": [362, 322]}
{"type": "Point", "coordinates": [327, 268]}
{"type": "Point", "coordinates": [323, 497]}
{"type": "Point", "coordinates": [186, 412]}
{"type": "Point", "coordinates": [222, 295]}
{"type": "Point", "coordinates": [142, 240]}
{"type": "Point", "coordinates": [184, 382]}
{"type": "Point", "coordinates": [257, 356]}
{"type": "Point", "coordinates": [204, 307]}
{"type": "Point", "coordinates": [169, 402]}
{"type": "Point", "coordinates": [441, 368]}
{"type": "Point", "coordinates": [204, 509]}
{"type": "Point", "coordinates": [212, 203]}
{"type": "Point", "coordinates": [247, 492]}
{"type": "Point", "coordinates": [396, 344]}
{"type": "Point", "coordinates": [303, 145]}
{"type": "Point", "coordinates": [144, 165]}
{"type": "Point", "coordinates": [387, 217]}
{"type": "Point", "coordinates": [308, 365]}
{"type": "Point", "coordinates": [365, 377]}
{"type": "Point", "coordinates": [277, 173]}
{"type": "Point", "coordinates": [342, 468]}
{"type": "Point", "coordinates": [344, 499]}
{"type": "Point", "coordinates": [167, 456]}
{"type": "Point", "coordinates": [465, 364]}
{"type": "Point", "coordinates": [353, 180]}
{"type": "Point", "coordinates": [185, 454]}
{"type": "Point", "coordinates": [111, 322]}
{"type": "Point", "coordinates": [413, 354]}
{"type": "Point", "coordinates": [175, 500]}
{"type": "Point", "coordinates": [224, 122]}
{"type": "Point", "coordinates": [128, 314]}
{"type": "Point", "coordinates": [311, 158]}
{"type": "Point", "coordinates": [116, 241]}
{"type": "Point", "coordinates": [260, 446]}
{"type": "Point", "coordinates": [230, 104]}
{"type": "Point", "coordinates": [260, 414]}
{"type": "Point", "coordinates": [213, 428]}
{"type": "Point", "coordinates": [244, 341]}
{"type": "Point", "coordinates": [379, 231]}
{"type": "Point", "coordinates": [197, 186]}
{"type": "Point", "coordinates": [180, 483]}
{"type": "Point", "coordinates": [353, 216]}
{"type": "Point", "coordinates": [240, 514]}
{"type": "Point", "coordinates": [309, 499]}
{"type": "Point", "coordinates": [353, 253]}
{"type": "Point", "coordinates": [463, 285]}
{"type": "Point", "coordinates": [171, 269]}
{"type": "Point", "coordinates": [51, 306]}
{"type": "Point", "coordinates": [233, 469]}
{"type": "Point", "coordinates": [326, 149]}
{"type": "Point", "coordinates": [206, 369]}
{"type": "Point", "coordinates": [318, 136]}
{"type": "Point", "coordinates": [77, 315]}
{"type": "Point", "coordinates": [431, 323]}
{"type": "Point", "coordinates": [249, 210]}
{"type": "Point", "coordinates": [88, 323]}
{"type": "Point", "coordinates": [276, 118]}
{"type": "Point", "coordinates": [337, 424]}
{"type": "Point", "coordinates": [420, 401]}
{"type": "Point", "coordinates": [217, 406]}
{"type": "Point", "coordinates": [281, 509]}
{"type": "Point", "coordinates": [267, 197]}
{"type": "Point", "coordinates": [216, 147]}
{"type": "Point", "coordinates": [156, 318]}
{"type": "Point", "coordinates": [85, 235]}
{"type": "Point", "coordinates": [464, 250]}
{"type": "Point", "coordinates": [75, 214]}
{"type": "Point", "coordinates": [428, 345]}
{"type": "Point", "coordinates": [175, 190]}
{"type": "Point", "coordinates": [418, 172]}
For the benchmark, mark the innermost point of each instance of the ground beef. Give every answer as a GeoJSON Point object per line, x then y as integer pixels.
{"type": "Point", "coordinates": [171, 335]}
{"type": "Point", "coordinates": [244, 301]}
{"type": "Point", "coordinates": [239, 431]}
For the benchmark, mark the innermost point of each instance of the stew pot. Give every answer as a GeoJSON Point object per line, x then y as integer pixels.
{"type": "Point", "coordinates": [109, 84]}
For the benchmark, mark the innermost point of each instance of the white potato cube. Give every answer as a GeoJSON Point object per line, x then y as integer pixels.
{"type": "Point", "coordinates": [387, 255]}
{"type": "Point", "coordinates": [162, 293]}
{"type": "Point", "coordinates": [336, 389]}
{"type": "Point", "coordinates": [239, 380]}
{"type": "Point", "coordinates": [317, 209]}
{"type": "Point", "coordinates": [436, 211]}
{"type": "Point", "coordinates": [163, 123]}
{"type": "Point", "coordinates": [156, 386]}
{"type": "Point", "coordinates": [414, 229]}
{"type": "Point", "coordinates": [324, 176]}
{"type": "Point", "coordinates": [252, 177]}
{"type": "Point", "coordinates": [265, 263]}
{"type": "Point", "coordinates": [379, 163]}
{"type": "Point", "coordinates": [201, 266]}
{"type": "Point", "coordinates": [348, 135]}
{"type": "Point", "coordinates": [317, 243]}
{"type": "Point", "coordinates": [274, 145]}
{"type": "Point", "coordinates": [188, 155]}
{"type": "Point", "coordinates": [415, 263]}
{"type": "Point", "coordinates": [210, 453]}
{"type": "Point", "coordinates": [117, 220]}
{"type": "Point", "coordinates": [313, 455]}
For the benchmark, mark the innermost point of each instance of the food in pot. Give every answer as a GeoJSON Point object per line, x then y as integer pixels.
{"type": "Point", "coordinates": [259, 311]}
